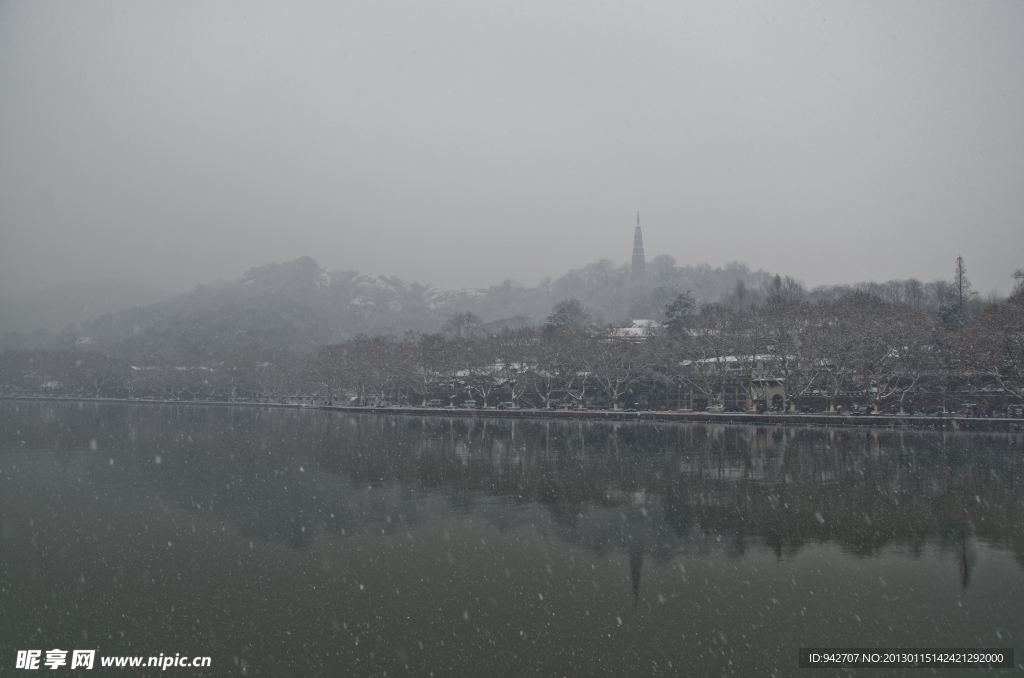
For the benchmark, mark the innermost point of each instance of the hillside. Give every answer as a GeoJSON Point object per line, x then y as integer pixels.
{"type": "Point", "coordinates": [299, 305]}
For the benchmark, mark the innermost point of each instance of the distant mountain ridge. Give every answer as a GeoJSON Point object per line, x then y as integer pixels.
{"type": "Point", "coordinates": [299, 305]}
{"type": "Point", "coordinates": [294, 305]}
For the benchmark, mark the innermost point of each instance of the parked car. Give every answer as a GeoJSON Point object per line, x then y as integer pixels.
{"type": "Point", "coordinates": [468, 404]}
{"type": "Point", "coordinates": [507, 405]}
{"type": "Point", "coordinates": [433, 403]}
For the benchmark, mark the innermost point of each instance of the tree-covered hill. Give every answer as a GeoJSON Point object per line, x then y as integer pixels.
{"type": "Point", "coordinates": [299, 305]}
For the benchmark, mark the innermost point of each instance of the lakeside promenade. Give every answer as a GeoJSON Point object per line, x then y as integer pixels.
{"type": "Point", "coordinates": [881, 421]}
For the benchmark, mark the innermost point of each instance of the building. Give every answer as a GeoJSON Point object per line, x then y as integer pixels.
{"type": "Point", "coordinates": [640, 331]}
{"type": "Point", "coordinates": [732, 383]}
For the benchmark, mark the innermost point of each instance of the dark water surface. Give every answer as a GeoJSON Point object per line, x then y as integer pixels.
{"type": "Point", "coordinates": [286, 542]}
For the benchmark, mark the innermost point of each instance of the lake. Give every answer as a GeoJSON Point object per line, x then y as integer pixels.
{"type": "Point", "coordinates": [283, 541]}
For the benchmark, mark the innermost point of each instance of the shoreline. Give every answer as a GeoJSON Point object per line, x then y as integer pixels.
{"type": "Point", "coordinates": [877, 421]}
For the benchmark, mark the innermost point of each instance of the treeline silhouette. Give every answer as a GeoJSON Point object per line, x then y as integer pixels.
{"type": "Point", "coordinates": [852, 348]}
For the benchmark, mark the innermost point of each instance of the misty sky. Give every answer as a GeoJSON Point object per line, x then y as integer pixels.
{"type": "Point", "coordinates": [462, 143]}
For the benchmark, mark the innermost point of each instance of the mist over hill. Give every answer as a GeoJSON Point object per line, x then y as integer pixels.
{"type": "Point", "coordinates": [299, 305]}
{"type": "Point", "coordinates": [55, 308]}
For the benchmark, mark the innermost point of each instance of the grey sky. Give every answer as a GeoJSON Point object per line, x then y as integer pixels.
{"type": "Point", "coordinates": [462, 143]}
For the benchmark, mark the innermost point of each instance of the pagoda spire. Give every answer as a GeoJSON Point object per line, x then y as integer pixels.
{"type": "Point", "coordinates": [639, 270]}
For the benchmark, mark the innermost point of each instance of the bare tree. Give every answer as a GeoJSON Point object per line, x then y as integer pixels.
{"type": "Point", "coordinates": [432, 363]}
{"type": "Point", "coordinates": [615, 364]}
{"type": "Point", "coordinates": [912, 351]}
{"type": "Point", "coordinates": [829, 346]}
{"type": "Point", "coordinates": [463, 326]}
{"type": "Point", "coordinates": [575, 376]}
{"type": "Point", "coordinates": [913, 293]}
{"type": "Point", "coordinates": [482, 367]}
{"type": "Point", "coordinates": [1017, 296]}
{"type": "Point", "coordinates": [784, 292]}
{"type": "Point", "coordinates": [331, 367]}
{"type": "Point", "coordinates": [547, 376]}
{"type": "Point", "coordinates": [515, 350]}
{"type": "Point", "coordinates": [996, 347]}
{"type": "Point", "coordinates": [373, 364]}
{"type": "Point", "coordinates": [706, 356]}
{"type": "Point", "coordinates": [781, 321]}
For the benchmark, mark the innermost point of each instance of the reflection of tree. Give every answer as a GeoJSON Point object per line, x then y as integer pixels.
{"type": "Point", "coordinates": [646, 491]}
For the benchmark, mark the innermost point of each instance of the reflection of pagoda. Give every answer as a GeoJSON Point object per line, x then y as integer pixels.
{"type": "Point", "coordinates": [639, 270]}
{"type": "Point", "coordinates": [636, 537]}
{"type": "Point", "coordinates": [636, 563]}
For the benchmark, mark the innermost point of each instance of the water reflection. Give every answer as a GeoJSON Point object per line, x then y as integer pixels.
{"type": "Point", "coordinates": [660, 496]}
{"type": "Point", "coordinates": [658, 489]}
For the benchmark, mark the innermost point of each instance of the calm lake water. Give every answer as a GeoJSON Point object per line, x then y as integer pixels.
{"type": "Point", "coordinates": [285, 542]}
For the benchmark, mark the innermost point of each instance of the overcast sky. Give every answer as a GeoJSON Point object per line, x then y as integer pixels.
{"type": "Point", "coordinates": [462, 143]}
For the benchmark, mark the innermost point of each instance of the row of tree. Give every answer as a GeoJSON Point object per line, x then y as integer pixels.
{"type": "Point", "coordinates": [857, 348]}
